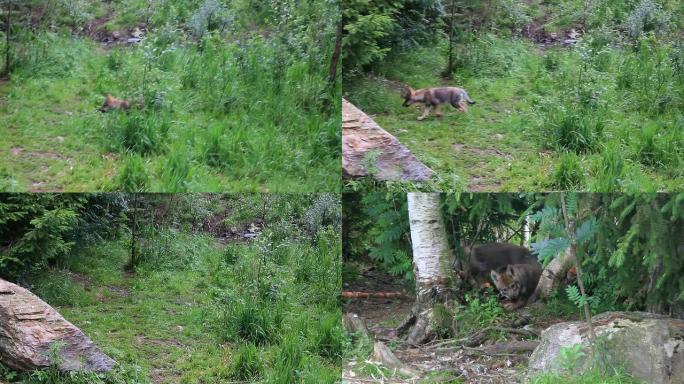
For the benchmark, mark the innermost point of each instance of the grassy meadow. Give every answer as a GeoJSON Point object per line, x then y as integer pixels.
{"type": "Point", "coordinates": [226, 96]}
{"type": "Point", "coordinates": [604, 113]}
{"type": "Point", "coordinates": [206, 303]}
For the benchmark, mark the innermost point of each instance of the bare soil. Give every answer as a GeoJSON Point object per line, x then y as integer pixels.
{"type": "Point", "coordinates": [439, 361]}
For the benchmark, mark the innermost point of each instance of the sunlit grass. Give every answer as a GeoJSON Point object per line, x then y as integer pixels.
{"type": "Point", "coordinates": [532, 107]}
{"type": "Point", "coordinates": [222, 112]}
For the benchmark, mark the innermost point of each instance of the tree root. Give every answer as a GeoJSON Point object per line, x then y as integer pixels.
{"type": "Point", "coordinates": [386, 357]}
{"type": "Point", "coordinates": [355, 325]}
{"type": "Point", "coordinates": [365, 295]}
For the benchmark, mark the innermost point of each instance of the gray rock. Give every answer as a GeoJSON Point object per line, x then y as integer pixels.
{"type": "Point", "coordinates": [29, 327]}
{"type": "Point", "coordinates": [363, 139]}
{"type": "Point", "coordinates": [649, 346]}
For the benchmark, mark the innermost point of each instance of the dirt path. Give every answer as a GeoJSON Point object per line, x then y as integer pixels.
{"type": "Point", "coordinates": [433, 363]}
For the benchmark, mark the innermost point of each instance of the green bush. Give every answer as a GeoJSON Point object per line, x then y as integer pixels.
{"type": "Point", "coordinates": [59, 289]}
{"type": "Point", "coordinates": [568, 174]}
{"type": "Point", "coordinates": [253, 322]}
{"type": "Point", "coordinates": [328, 337]}
{"type": "Point", "coordinates": [611, 169]}
{"type": "Point", "coordinates": [133, 176]}
{"type": "Point", "coordinates": [570, 128]}
{"type": "Point", "coordinates": [477, 313]}
{"type": "Point", "coordinates": [177, 173]}
{"type": "Point", "coordinates": [37, 230]}
{"type": "Point", "coordinates": [214, 150]}
{"type": "Point", "coordinates": [140, 132]}
{"type": "Point", "coordinates": [246, 364]}
{"type": "Point", "coordinates": [656, 146]}
{"type": "Point", "coordinates": [289, 361]}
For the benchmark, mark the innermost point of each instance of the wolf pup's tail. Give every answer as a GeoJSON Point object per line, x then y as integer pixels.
{"type": "Point", "coordinates": [467, 98]}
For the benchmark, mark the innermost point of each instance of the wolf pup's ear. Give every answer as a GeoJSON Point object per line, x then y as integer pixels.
{"type": "Point", "coordinates": [510, 270]}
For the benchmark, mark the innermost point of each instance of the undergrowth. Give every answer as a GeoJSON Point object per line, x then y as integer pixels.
{"type": "Point", "coordinates": [224, 96]}
{"type": "Point", "coordinates": [603, 114]}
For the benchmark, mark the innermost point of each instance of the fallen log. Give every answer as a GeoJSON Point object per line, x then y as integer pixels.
{"type": "Point", "coordinates": [510, 347]}
{"type": "Point", "coordinates": [480, 336]}
{"type": "Point", "coordinates": [366, 295]}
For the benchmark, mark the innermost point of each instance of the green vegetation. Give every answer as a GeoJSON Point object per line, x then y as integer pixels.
{"type": "Point", "coordinates": [627, 256]}
{"type": "Point", "coordinates": [622, 240]}
{"type": "Point", "coordinates": [600, 112]}
{"type": "Point", "coordinates": [185, 297]}
{"type": "Point", "coordinates": [590, 377]}
{"type": "Point", "coordinates": [225, 96]}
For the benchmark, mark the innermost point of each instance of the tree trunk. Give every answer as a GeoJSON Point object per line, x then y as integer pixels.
{"type": "Point", "coordinates": [134, 235]}
{"type": "Point", "coordinates": [8, 32]}
{"type": "Point", "coordinates": [432, 263]}
{"type": "Point", "coordinates": [552, 275]}
{"type": "Point", "coordinates": [527, 233]}
{"type": "Point", "coordinates": [450, 65]}
{"type": "Point", "coordinates": [332, 72]}
{"type": "Point", "coordinates": [570, 229]}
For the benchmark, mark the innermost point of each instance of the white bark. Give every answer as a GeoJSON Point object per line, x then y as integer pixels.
{"type": "Point", "coordinates": [552, 275]}
{"type": "Point", "coordinates": [432, 263]}
{"type": "Point", "coordinates": [431, 257]}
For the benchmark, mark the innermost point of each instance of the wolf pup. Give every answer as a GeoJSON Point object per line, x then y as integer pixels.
{"type": "Point", "coordinates": [112, 103]}
{"type": "Point", "coordinates": [435, 97]}
{"type": "Point", "coordinates": [513, 269]}
{"type": "Point", "coordinates": [483, 258]}
{"type": "Point", "coordinates": [516, 283]}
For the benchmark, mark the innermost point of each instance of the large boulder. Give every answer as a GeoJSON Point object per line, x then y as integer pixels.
{"type": "Point", "coordinates": [363, 141]}
{"type": "Point", "coordinates": [28, 329]}
{"type": "Point", "coordinates": [649, 346]}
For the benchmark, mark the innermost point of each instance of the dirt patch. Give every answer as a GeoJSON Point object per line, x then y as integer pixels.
{"type": "Point", "coordinates": [51, 155]}
{"type": "Point", "coordinates": [482, 184]}
{"type": "Point", "coordinates": [481, 152]}
{"type": "Point", "coordinates": [42, 186]}
{"type": "Point", "coordinates": [544, 40]}
{"type": "Point", "coordinates": [83, 280]}
{"type": "Point", "coordinates": [163, 342]}
{"type": "Point", "coordinates": [469, 365]}
{"type": "Point", "coordinates": [119, 291]}
{"type": "Point", "coordinates": [16, 151]}
{"type": "Point", "coordinates": [95, 28]}
{"type": "Point", "coordinates": [164, 375]}
{"type": "Point", "coordinates": [215, 226]}
{"type": "Point", "coordinates": [375, 310]}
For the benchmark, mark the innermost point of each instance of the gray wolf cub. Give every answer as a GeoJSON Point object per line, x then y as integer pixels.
{"type": "Point", "coordinates": [435, 98]}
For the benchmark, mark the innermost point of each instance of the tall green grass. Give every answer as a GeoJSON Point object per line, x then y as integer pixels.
{"type": "Point", "coordinates": [243, 102]}
{"type": "Point", "coordinates": [615, 104]}
{"type": "Point", "coordinates": [194, 311]}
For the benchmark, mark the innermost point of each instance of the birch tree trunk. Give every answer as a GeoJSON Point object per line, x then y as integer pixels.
{"type": "Point", "coordinates": [527, 233]}
{"type": "Point", "coordinates": [432, 263]}
{"type": "Point", "coordinates": [552, 275]}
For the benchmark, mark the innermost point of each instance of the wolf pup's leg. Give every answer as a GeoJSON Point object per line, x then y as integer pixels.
{"type": "Point", "coordinates": [512, 305]}
{"type": "Point", "coordinates": [426, 112]}
{"type": "Point", "coordinates": [457, 103]}
{"type": "Point", "coordinates": [462, 106]}
{"type": "Point", "coordinates": [438, 111]}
